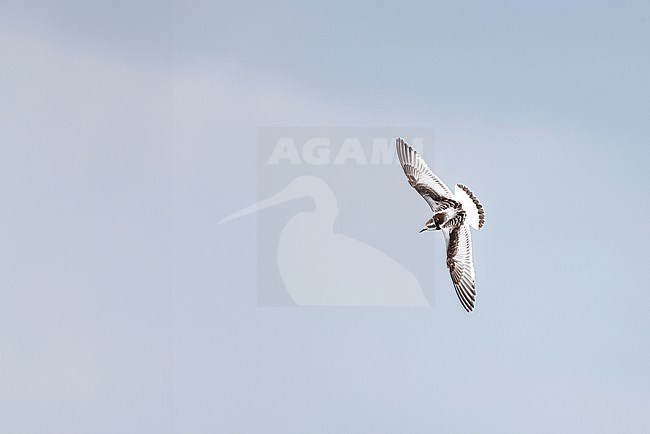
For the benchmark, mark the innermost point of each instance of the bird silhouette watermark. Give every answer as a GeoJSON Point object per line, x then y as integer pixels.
{"type": "Point", "coordinates": [326, 227]}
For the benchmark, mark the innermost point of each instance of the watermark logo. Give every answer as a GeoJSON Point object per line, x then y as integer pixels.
{"type": "Point", "coordinates": [331, 215]}
{"type": "Point", "coordinates": [318, 151]}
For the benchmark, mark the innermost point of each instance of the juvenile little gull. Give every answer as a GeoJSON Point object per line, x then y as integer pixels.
{"type": "Point", "coordinates": [453, 214]}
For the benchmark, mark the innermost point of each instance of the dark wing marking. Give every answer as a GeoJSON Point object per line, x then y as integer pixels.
{"type": "Point", "coordinates": [430, 187]}
{"type": "Point", "coordinates": [460, 264]}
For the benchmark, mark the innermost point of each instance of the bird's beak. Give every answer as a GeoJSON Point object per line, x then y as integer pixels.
{"type": "Point", "coordinates": [423, 229]}
{"type": "Point", "coordinates": [283, 196]}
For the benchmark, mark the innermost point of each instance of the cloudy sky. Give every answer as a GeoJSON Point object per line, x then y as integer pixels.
{"type": "Point", "coordinates": [128, 128]}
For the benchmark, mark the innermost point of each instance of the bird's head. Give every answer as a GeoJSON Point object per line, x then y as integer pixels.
{"type": "Point", "coordinates": [434, 223]}
{"type": "Point", "coordinates": [430, 225]}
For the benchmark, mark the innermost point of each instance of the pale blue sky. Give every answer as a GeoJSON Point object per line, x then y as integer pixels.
{"type": "Point", "coordinates": [128, 128]}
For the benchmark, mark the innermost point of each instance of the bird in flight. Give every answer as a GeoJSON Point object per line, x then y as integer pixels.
{"type": "Point", "coordinates": [453, 214]}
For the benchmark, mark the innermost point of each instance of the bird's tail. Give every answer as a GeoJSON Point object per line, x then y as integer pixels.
{"type": "Point", "coordinates": [475, 214]}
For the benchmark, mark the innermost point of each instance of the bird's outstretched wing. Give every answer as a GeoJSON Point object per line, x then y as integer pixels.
{"type": "Point", "coordinates": [430, 187]}
{"type": "Point", "coordinates": [460, 264]}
